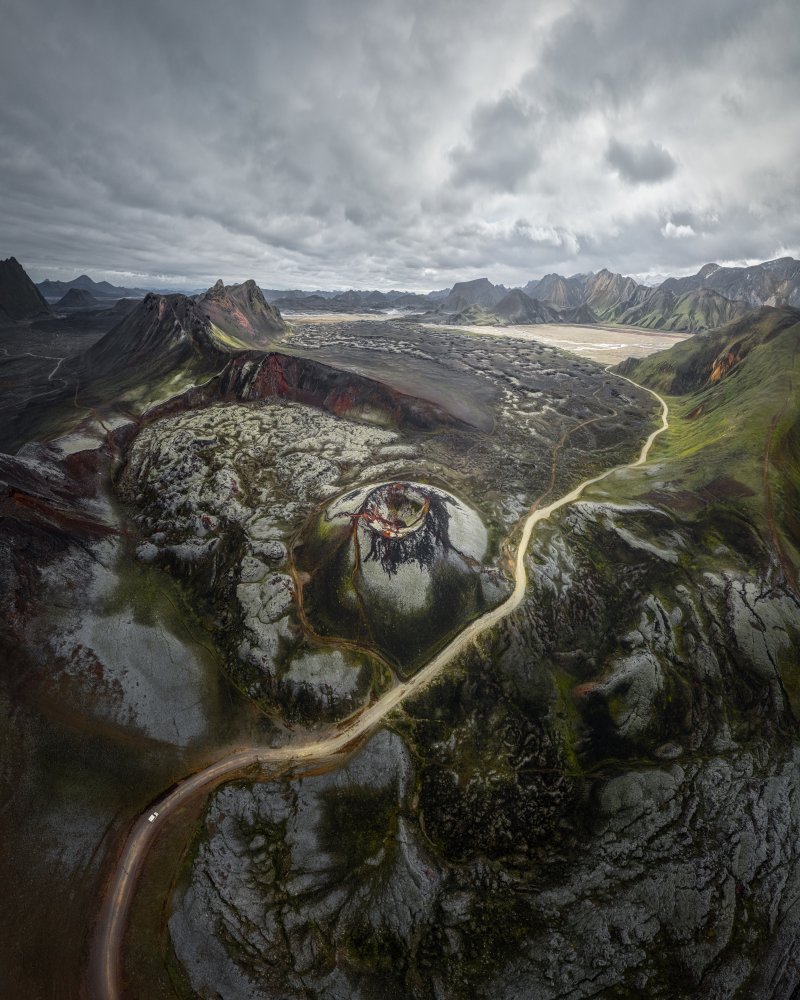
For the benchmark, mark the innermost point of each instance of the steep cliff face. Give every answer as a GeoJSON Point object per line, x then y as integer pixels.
{"type": "Point", "coordinates": [694, 363]}
{"type": "Point", "coordinates": [606, 291]}
{"type": "Point", "coordinates": [559, 292]}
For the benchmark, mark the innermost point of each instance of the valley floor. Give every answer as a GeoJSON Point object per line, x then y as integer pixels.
{"type": "Point", "coordinates": [606, 344]}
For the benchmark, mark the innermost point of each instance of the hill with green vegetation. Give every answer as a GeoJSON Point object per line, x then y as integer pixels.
{"type": "Point", "coordinates": [735, 424]}
{"type": "Point", "coordinates": [698, 310]}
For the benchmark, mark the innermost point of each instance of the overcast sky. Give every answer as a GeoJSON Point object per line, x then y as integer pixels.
{"type": "Point", "coordinates": [396, 143]}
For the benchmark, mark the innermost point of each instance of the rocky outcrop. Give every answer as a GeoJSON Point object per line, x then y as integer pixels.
{"type": "Point", "coordinates": [242, 313]}
{"type": "Point", "coordinates": [558, 292]}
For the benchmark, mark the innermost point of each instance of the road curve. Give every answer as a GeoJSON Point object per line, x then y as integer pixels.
{"type": "Point", "coordinates": [105, 962]}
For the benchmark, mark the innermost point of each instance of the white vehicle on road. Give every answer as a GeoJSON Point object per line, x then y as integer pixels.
{"type": "Point", "coordinates": [151, 817]}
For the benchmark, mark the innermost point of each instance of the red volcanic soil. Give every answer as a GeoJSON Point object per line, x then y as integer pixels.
{"type": "Point", "coordinates": [251, 376]}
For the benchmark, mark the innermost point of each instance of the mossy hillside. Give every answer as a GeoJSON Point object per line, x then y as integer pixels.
{"type": "Point", "coordinates": [133, 393]}
{"type": "Point", "coordinates": [155, 597]}
{"type": "Point", "coordinates": [228, 339]}
{"type": "Point", "coordinates": [734, 420]}
{"type": "Point", "coordinates": [125, 393]}
{"type": "Point", "coordinates": [359, 824]}
{"type": "Point", "coordinates": [496, 769]}
{"type": "Point", "coordinates": [687, 366]}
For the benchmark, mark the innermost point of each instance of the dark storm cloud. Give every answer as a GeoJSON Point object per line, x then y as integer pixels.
{"type": "Point", "coordinates": [640, 163]}
{"type": "Point", "coordinates": [502, 147]}
{"type": "Point", "coordinates": [387, 143]}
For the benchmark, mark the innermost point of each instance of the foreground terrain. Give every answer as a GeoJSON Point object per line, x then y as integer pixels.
{"type": "Point", "coordinates": [265, 580]}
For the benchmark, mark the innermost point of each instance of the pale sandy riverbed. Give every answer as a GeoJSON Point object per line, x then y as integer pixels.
{"type": "Point", "coordinates": [299, 318]}
{"type": "Point", "coordinates": [608, 344]}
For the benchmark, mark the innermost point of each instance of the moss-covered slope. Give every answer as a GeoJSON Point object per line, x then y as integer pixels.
{"type": "Point", "coordinates": [735, 422]}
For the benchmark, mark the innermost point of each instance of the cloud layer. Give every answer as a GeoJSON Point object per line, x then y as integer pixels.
{"type": "Point", "coordinates": [396, 143]}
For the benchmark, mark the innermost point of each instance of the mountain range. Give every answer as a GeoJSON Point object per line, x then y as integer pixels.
{"type": "Point", "coordinates": [715, 295]}
{"type": "Point", "coordinates": [703, 301]}
{"type": "Point", "coordinates": [153, 347]}
{"type": "Point", "coordinates": [55, 290]}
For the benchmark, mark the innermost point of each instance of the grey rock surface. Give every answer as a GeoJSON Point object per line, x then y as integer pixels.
{"type": "Point", "coordinates": [294, 873]}
{"type": "Point", "coordinates": [605, 802]}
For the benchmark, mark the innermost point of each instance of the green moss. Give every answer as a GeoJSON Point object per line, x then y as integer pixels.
{"type": "Point", "coordinates": [721, 430]}
{"type": "Point", "coordinates": [566, 718]}
{"type": "Point", "coordinates": [498, 925]}
{"type": "Point", "coordinates": [358, 823]}
{"type": "Point", "coordinates": [228, 339]}
{"type": "Point", "coordinates": [155, 597]}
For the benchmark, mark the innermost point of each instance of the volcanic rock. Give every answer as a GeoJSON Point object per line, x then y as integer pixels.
{"type": "Point", "coordinates": [20, 299]}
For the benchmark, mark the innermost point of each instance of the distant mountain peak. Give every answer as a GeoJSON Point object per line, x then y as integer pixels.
{"type": "Point", "coordinates": [242, 312]}
{"type": "Point", "coordinates": [477, 292]}
{"type": "Point", "coordinates": [20, 299]}
{"type": "Point", "coordinates": [77, 298]}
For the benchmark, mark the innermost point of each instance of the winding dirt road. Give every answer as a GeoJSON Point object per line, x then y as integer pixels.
{"type": "Point", "coordinates": [105, 963]}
